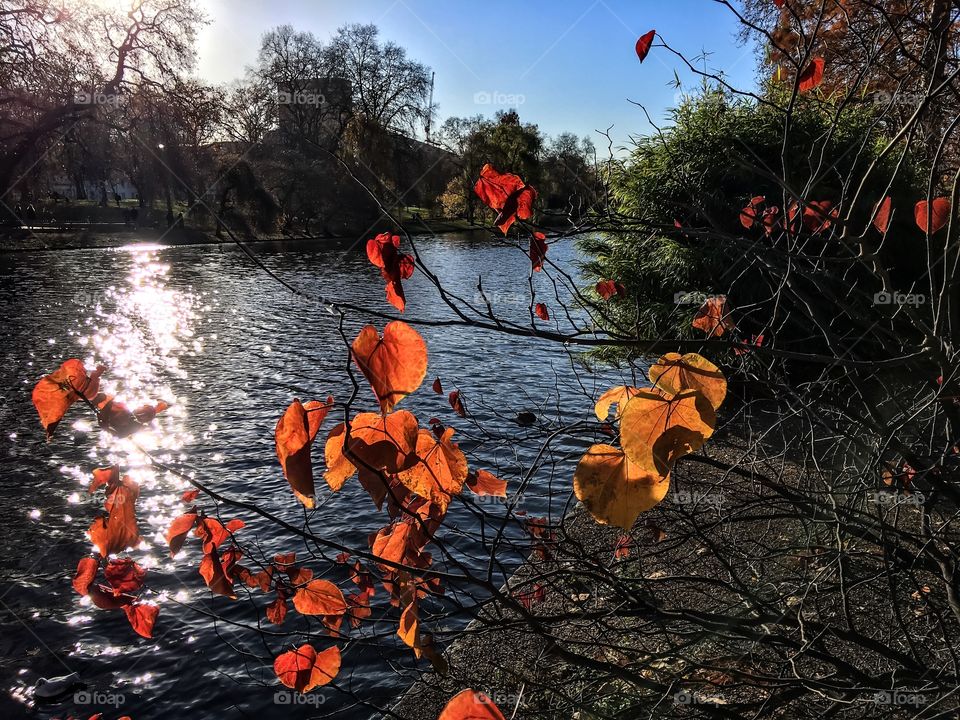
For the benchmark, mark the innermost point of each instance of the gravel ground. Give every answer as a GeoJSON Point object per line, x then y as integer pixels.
{"type": "Point", "coordinates": [740, 537]}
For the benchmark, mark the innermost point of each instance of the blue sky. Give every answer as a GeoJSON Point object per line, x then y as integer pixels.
{"type": "Point", "coordinates": [565, 64]}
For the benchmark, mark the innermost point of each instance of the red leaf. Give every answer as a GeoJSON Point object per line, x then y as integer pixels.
{"type": "Point", "coordinates": [939, 210]}
{"type": "Point", "coordinates": [531, 597]}
{"type": "Point", "coordinates": [608, 289]}
{"type": "Point", "coordinates": [277, 611]}
{"type": "Point", "coordinates": [748, 215]}
{"type": "Point", "coordinates": [812, 75]}
{"type": "Point", "coordinates": [881, 215]}
{"type": "Point", "coordinates": [189, 496]}
{"type": "Point", "coordinates": [124, 576]}
{"type": "Point", "coordinates": [457, 404]}
{"type": "Point", "coordinates": [437, 387]}
{"type": "Point", "coordinates": [622, 550]}
{"type": "Point", "coordinates": [118, 530]}
{"type": "Point", "coordinates": [304, 668]}
{"type": "Point", "coordinates": [142, 617]}
{"type": "Point", "coordinates": [541, 310]}
{"type": "Point", "coordinates": [384, 252]}
{"type": "Point", "coordinates": [86, 572]}
{"type": "Point", "coordinates": [109, 476]}
{"type": "Point", "coordinates": [506, 193]}
{"type": "Point", "coordinates": [177, 534]}
{"type": "Point", "coordinates": [644, 43]}
{"type": "Point", "coordinates": [538, 250]}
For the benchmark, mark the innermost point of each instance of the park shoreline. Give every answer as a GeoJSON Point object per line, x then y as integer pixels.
{"type": "Point", "coordinates": [16, 240]}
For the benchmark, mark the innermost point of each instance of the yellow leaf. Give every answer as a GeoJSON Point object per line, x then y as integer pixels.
{"type": "Point", "coordinates": [614, 489]}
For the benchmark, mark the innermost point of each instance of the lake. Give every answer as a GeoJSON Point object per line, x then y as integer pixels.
{"type": "Point", "coordinates": [206, 329]}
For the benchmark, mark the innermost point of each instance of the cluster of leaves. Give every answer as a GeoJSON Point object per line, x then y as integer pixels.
{"type": "Point", "coordinates": [115, 530]}
{"type": "Point", "coordinates": [658, 425]}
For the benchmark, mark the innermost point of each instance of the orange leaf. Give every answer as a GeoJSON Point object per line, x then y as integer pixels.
{"type": "Point", "coordinates": [440, 469]}
{"type": "Point", "coordinates": [86, 572]}
{"type": "Point", "coordinates": [542, 312]}
{"type": "Point", "coordinates": [482, 482]}
{"type": "Point", "coordinates": [142, 617]}
{"type": "Point", "coordinates": [293, 439]}
{"type": "Point", "coordinates": [55, 393]}
{"type": "Point", "coordinates": [674, 373]}
{"type": "Point", "coordinates": [384, 252]}
{"type": "Point", "coordinates": [456, 402]}
{"type": "Point", "coordinates": [277, 611]}
{"type": "Point", "coordinates": [713, 317]}
{"type": "Point", "coordinates": [657, 429]}
{"type": "Point", "coordinates": [615, 490]}
{"type": "Point", "coordinates": [471, 705]}
{"type": "Point", "coordinates": [614, 396]}
{"type": "Point", "coordinates": [118, 530]}
{"type": "Point", "coordinates": [319, 597]}
{"type": "Point", "coordinates": [304, 668]}
{"type": "Point", "coordinates": [538, 251]}
{"type": "Point", "coordinates": [394, 364]}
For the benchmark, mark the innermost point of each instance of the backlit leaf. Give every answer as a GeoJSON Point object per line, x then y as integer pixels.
{"type": "Point", "coordinates": [656, 429]}
{"type": "Point", "coordinates": [471, 705]}
{"type": "Point", "coordinates": [304, 668]}
{"type": "Point", "coordinates": [674, 373]}
{"type": "Point", "coordinates": [394, 364]}
{"type": "Point", "coordinates": [614, 489]}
